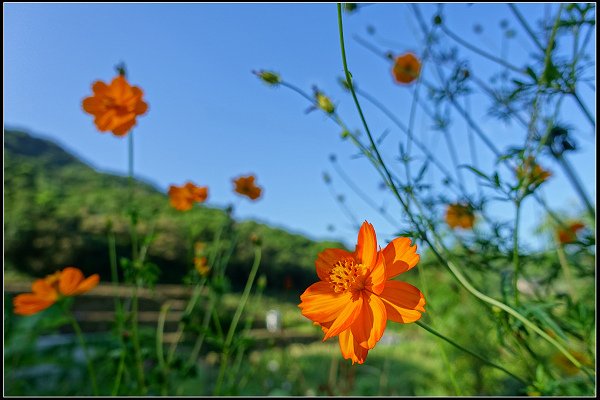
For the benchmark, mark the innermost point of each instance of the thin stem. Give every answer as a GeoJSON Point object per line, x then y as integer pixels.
{"type": "Point", "coordinates": [458, 346]}
{"type": "Point", "coordinates": [526, 26]}
{"type": "Point", "coordinates": [236, 317]}
{"type": "Point", "coordinates": [160, 330]}
{"type": "Point", "coordinates": [79, 334]}
{"type": "Point", "coordinates": [457, 274]}
{"type": "Point", "coordinates": [584, 109]}
{"type": "Point", "coordinates": [562, 259]}
{"type": "Point", "coordinates": [477, 50]}
{"type": "Point", "coordinates": [181, 326]}
{"type": "Point", "coordinates": [577, 185]}
{"type": "Point", "coordinates": [516, 252]}
{"type": "Point", "coordinates": [119, 317]}
{"type": "Point", "coordinates": [135, 337]}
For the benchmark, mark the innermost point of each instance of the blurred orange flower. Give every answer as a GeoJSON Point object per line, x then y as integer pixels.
{"type": "Point", "coordinates": [115, 106]}
{"type": "Point", "coordinates": [200, 263]}
{"type": "Point", "coordinates": [183, 197]}
{"type": "Point", "coordinates": [459, 215]}
{"type": "Point", "coordinates": [531, 173]}
{"type": "Point", "coordinates": [245, 186]}
{"type": "Point", "coordinates": [569, 234]}
{"type": "Point", "coordinates": [406, 68]}
{"type": "Point", "coordinates": [356, 294]}
{"type": "Point", "coordinates": [45, 292]}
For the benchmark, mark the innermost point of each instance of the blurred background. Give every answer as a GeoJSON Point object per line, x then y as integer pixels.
{"type": "Point", "coordinates": [211, 120]}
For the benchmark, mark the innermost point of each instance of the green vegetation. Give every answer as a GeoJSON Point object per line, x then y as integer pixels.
{"type": "Point", "coordinates": [58, 211]}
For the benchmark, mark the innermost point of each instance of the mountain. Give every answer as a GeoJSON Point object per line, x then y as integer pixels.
{"type": "Point", "coordinates": [58, 211]}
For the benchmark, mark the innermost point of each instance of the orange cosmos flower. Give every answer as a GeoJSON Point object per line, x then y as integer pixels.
{"type": "Point", "coordinates": [245, 186]}
{"type": "Point", "coordinates": [459, 215]}
{"type": "Point", "coordinates": [356, 294]}
{"type": "Point", "coordinates": [532, 174]}
{"type": "Point", "coordinates": [183, 198]}
{"type": "Point", "coordinates": [406, 68]}
{"type": "Point", "coordinates": [115, 106]}
{"type": "Point", "coordinates": [45, 292]}
{"type": "Point", "coordinates": [569, 234]}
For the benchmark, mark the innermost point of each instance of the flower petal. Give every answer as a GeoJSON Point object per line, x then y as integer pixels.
{"type": "Point", "coordinates": [70, 278]}
{"type": "Point", "coordinates": [42, 289]}
{"type": "Point", "coordinates": [366, 248]}
{"type": "Point", "coordinates": [327, 258]}
{"type": "Point", "coordinates": [370, 323]}
{"type": "Point", "coordinates": [87, 284]}
{"type": "Point", "coordinates": [321, 304]}
{"type": "Point", "coordinates": [403, 302]}
{"type": "Point", "coordinates": [30, 303]}
{"type": "Point", "coordinates": [400, 256]}
{"type": "Point", "coordinates": [376, 278]}
{"type": "Point", "coordinates": [347, 317]}
{"type": "Point", "coordinates": [351, 349]}
{"type": "Point", "coordinates": [125, 127]}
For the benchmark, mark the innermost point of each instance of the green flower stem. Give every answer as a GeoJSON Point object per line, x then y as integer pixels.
{"type": "Point", "coordinates": [119, 317]}
{"type": "Point", "coordinates": [482, 53]}
{"type": "Point", "coordinates": [584, 109]}
{"type": "Point", "coordinates": [516, 252]}
{"type": "Point", "coordinates": [566, 166]}
{"type": "Point", "coordinates": [526, 26]}
{"type": "Point", "coordinates": [135, 337]}
{"type": "Point", "coordinates": [457, 274]}
{"type": "Point", "coordinates": [236, 318]}
{"type": "Point", "coordinates": [200, 339]}
{"type": "Point", "coordinates": [160, 329]}
{"type": "Point", "coordinates": [566, 270]}
{"type": "Point", "coordinates": [188, 310]}
{"type": "Point", "coordinates": [458, 346]}
{"type": "Point", "coordinates": [79, 334]}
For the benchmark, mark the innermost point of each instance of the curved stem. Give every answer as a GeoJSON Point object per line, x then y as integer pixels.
{"type": "Point", "coordinates": [236, 318]}
{"type": "Point", "coordinates": [516, 252]}
{"type": "Point", "coordinates": [577, 185]}
{"type": "Point", "coordinates": [458, 346]}
{"type": "Point", "coordinates": [477, 50]}
{"type": "Point", "coordinates": [584, 109]}
{"type": "Point", "coordinates": [160, 330]}
{"type": "Point", "coordinates": [386, 174]}
{"type": "Point", "coordinates": [86, 353]}
{"type": "Point", "coordinates": [526, 26]}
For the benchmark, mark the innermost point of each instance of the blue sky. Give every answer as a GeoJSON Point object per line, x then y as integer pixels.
{"type": "Point", "coordinates": [211, 119]}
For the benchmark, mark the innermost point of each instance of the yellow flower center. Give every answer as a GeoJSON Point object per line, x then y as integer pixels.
{"type": "Point", "coordinates": [347, 275]}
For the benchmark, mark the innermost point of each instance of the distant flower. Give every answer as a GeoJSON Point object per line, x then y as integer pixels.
{"type": "Point", "coordinates": [268, 77]}
{"type": "Point", "coordinates": [356, 294]}
{"type": "Point", "coordinates": [531, 174]}
{"type": "Point", "coordinates": [47, 291]}
{"type": "Point", "coordinates": [323, 102]}
{"type": "Point", "coordinates": [567, 366]}
{"type": "Point", "coordinates": [245, 186]}
{"type": "Point", "coordinates": [115, 106]}
{"type": "Point", "coordinates": [201, 265]}
{"type": "Point", "coordinates": [569, 234]}
{"type": "Point", "coordinates": [459, 215]}
{"type": "Point", "coordinates": [406, 68]}
{"type": "Point", "coordinates": [183, 198]}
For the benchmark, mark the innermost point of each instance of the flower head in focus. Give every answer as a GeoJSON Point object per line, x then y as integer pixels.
{"type": "Point", "coordinates": [183, 197]}
{"type": "Point", "coordinates": [246, 186]}
{"type": "Point", "coordinates": [356, 294]}
{"type": "Point", "coordinates": [460, 215]}
{"type": "Point", "coordinates": [47, 291]}
{"type": "Point", "coordinates": [406, 68]}
{"type": "Point", "coordinates": [115, 106]}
